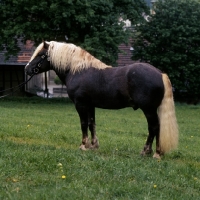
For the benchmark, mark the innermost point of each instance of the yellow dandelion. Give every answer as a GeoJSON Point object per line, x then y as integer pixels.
{"type": "Point", "coordinates": [155, 186]}
{"type": "Point", "coordinates": [14, 180]}
{"type": "Point", "coordinates": [28, 125]}
{"type": "Point", "coordinates": [191, 136]}
{"type": "Point", "coordinates": [195, 178]}
{"type": "Point", "coordinates": [63, 176]}
{"type": "Point", "coordinates": [59, 164]}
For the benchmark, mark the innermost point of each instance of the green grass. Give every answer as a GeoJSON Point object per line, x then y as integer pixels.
{"type": "Point", "coordinates": [39, 140]}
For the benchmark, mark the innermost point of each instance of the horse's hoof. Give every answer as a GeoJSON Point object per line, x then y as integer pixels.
{"type": "Point", "coordinates": [157, 156]}
{"type": "Point", "coordinates": [82, 147]}
{"type": "Point", "coordinates": [88, 145]}
{"type": "Point", "coordinates": [146, 152]}
{"type": "Point", "coordinates": [95, 146]}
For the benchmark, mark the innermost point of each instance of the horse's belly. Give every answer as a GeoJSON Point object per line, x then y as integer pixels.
{"type": "Point", "coordinates": [110, 103]}
{"type": "Point", "coordinates": [111, 106]}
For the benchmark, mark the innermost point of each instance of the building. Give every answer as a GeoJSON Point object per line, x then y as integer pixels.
{"type": "Point", "coordinates": [12, 70]}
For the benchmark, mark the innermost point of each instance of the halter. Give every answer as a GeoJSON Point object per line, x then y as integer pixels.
{"type": "Point", "coordinates": [39, 64]}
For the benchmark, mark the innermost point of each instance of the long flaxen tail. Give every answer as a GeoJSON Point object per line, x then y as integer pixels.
{"type": "Point", "coordinates": [167, 117]}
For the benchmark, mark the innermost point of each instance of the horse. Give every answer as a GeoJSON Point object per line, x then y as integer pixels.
{"type": "Point", "coordinates": [91, 83]}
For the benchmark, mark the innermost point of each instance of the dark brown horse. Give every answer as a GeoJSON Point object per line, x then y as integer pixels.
{"type": "Point", "coordinates": [91, 83]}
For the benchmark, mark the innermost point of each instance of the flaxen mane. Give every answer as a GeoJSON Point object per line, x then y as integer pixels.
{"type": "Point", "coordinates": [68, 56]}
{"type": "Point", "coordinates": [64, 56]}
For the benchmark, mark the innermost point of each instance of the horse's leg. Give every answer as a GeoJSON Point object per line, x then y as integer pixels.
{"type": "Point", "coordinates": [158, 153]}
{"type": "Point", "coordinates": [91, 122]}
{"type": "Point", "coordinates": [83, 114]}
{"type": "Point", "coordinates": [153, 127]}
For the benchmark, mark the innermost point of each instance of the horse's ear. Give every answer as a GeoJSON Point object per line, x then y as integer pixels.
{"type": "Point", "coordinates": [46, 46]}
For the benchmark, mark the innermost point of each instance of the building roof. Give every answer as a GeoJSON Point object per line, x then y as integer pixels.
{"type": "Point", "coordinates": [22, 57]}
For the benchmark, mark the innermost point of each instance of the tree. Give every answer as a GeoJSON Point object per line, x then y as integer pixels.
{"type": "Point", "coordinates": [171, 42]}
{"type": "Point", "coordinates": [94, 24]}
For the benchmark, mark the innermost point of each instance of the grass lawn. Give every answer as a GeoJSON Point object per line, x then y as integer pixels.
{"type": "Point", "coordinates": [40, 159]}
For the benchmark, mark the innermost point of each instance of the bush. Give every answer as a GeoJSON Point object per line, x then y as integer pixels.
{"type": "Point", "coordinates": [171, 42]}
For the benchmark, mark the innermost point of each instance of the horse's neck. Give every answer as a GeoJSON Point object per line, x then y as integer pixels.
{"type": "Point", "coordinates": [62, 76]}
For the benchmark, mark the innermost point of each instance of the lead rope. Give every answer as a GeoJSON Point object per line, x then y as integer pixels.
{"type": "Point", "coordinates": [18, 87]}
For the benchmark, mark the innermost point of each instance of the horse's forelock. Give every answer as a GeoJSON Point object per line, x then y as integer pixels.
{"type": "Point", "coordinates": [37, 50]}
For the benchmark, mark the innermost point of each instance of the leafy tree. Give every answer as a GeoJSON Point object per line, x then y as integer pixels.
{"type": "Point", "coordinates": [94, 24]}
{"type": "Point", "coordinates": [171, 42]}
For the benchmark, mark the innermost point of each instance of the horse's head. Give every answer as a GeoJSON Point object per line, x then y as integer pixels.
{"type": "Point", "coordinates": [39, 61]}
